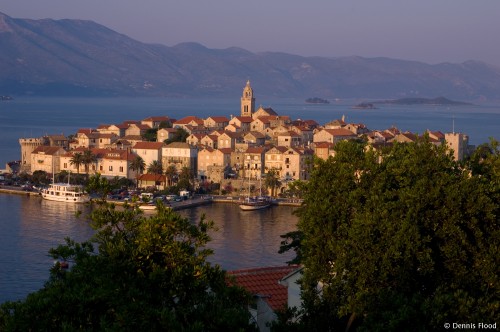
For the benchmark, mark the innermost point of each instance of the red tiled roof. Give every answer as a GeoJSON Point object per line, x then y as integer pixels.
{"type": "Point", "coordinates": [218, 119]}
{"type": "Point", "coordinates": [153, 177]}
{"type": "Point", "coordinates": [340, 132]}
{"type": "Point", "coordinates": [148, 145]}
{"type": "Point", "coordinates": [265, 282]}
{"type": "Point", "coordinates": [188, 119]}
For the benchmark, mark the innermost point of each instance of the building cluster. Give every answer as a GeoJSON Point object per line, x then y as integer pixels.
{"type": "Point", "coordinates": [217, 148]}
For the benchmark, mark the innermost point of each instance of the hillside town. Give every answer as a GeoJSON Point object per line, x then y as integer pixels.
{"type": "Point", "coordinates": [217, 149]}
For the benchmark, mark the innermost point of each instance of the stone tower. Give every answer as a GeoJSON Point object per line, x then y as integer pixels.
{"type": "Point", "coordinates": [247, 101]}
{"type": "Point", "coordinates": [28, 145]}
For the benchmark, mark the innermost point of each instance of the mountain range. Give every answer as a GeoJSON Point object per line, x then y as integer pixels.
{"type": "Point", "coordinates": [82, 58]}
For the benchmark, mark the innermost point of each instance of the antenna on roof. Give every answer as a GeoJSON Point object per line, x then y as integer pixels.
{"type": "Point", "coordinates": [453, 124]}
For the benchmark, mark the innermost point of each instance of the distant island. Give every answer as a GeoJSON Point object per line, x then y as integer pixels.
{"type": "Point", "coordinates": [317, 100]}
{"type": "Point", "coordinates": [422, 101]}
{"type": "Point", "coordinates": [364, 106]}
{"type": "Point", "coordinates": [6, 98]}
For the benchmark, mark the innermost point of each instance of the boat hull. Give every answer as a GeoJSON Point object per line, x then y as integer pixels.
{"type": "Point", "coordinates": [254, 206]}
{"type": "Point", "coordinates": [62, 192]}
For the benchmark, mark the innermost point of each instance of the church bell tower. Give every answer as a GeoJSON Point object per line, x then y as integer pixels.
{"type": "Point", "coordinates": [247, 101]}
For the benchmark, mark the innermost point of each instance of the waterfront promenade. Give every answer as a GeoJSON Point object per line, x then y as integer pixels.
{"type": "Point", "coordinates": [181, 205]}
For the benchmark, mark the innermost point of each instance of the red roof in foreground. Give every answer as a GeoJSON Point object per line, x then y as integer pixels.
{"type": "Point", "coordinates": [265, 282]}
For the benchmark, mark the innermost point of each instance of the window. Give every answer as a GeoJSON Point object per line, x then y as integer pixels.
{"type": "Point", "coordinates": [65, 165]}
{"type": "Point", "coordinates": [100, 168]}
{"type": "Point", "coordinates": [121, 169]}
{"type": "Point", "coordinates": [111, 168]}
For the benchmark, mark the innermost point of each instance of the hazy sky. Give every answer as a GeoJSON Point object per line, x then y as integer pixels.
{"type": "Point", "coordinates": [430, 31]}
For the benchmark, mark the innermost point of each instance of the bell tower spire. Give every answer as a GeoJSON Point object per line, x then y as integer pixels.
{"type": "Point", "coordinates": [247, 101]}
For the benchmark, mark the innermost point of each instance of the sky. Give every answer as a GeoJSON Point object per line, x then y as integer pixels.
{"type": "Point", "coordinates": [430, 31]}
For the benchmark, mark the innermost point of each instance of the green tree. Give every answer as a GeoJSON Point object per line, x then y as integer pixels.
{"type": "Point", "coordinates": [180, 135]}
{"type": "Point", "coordinates": [155, 167]}
{"type": "Point", "coordinates": [170, 173]}
{"type": "Point", "coordinates": [272, 180]}
{"type": "Point", "coordinates": [150, 135]}
{"type": "Point", "coordinates": [410, 242]}
{"type": "Point", "coordinates": [147, 274]}
{"type": "Point", "coordinates": [77, 160]}
{"type": "Point", "coordinates": [186, 179]}
{"type": "Point", "coordinates": [88, 158]}
{"type": "Point", "coordinates": [138, 165]}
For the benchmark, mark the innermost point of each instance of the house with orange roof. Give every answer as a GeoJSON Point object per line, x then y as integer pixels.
{"type": "Point", "coordinates": [164, 134]}
{"type": "Point", "coordinates": [306, 133]}
{"type": "Point", "coordinates": [333, 135]}
{"type": "Point", "coordinates": [254, 138]}
{"type": "Point", "coordinates": [189, 123]}
{"type": "Point", "coordinates": [336, 124]}
{"type": "Point", "coordinates": [211, 163]}
{"type": "Point", "coordinates": [228, 140]}
{"type": "Point", "coordinates": [194, 139]}
{"type": "Point", "coordinates": [210, 141]}
{"type": "Point", "coordinates": [357, 128]}
{"type": "Point", "coordinates": [148, 151]}
{"type": "Point", "coordinates": [179, 155]}
{"type": "Point", "coordinates": [289, 138]}
{"type": "Point", "coordinates": [406, 137]}
{"type": "Point", "coordinates": [216, 122]}
{"type": "Point", "coordinates": [136, 129]}
{"type": "Point", "coordinates": [254, 161]}
{"type": "Point", "coordinates": [269, 294]}
{"type": "Point", "coordinates": [264, 111]}
{"type": "Point", "coordinates": [155, 121]}
{"type": "Point", "coordinates": [46, 158]}
{"type": "Point", "coordinates": [241, 122]}
{"type": "Point", "coordinates": [148, 180]}
{"type": "Point", "coordinates": [323, 150]}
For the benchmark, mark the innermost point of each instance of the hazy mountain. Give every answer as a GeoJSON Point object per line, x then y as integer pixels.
{"type": "Point", "coordinates": [75, 57]}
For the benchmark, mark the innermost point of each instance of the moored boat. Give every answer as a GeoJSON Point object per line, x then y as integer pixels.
{"type": "Point", "coordinates": [64, 192]}
{"type": "Point", "coordinates": [256, 203]}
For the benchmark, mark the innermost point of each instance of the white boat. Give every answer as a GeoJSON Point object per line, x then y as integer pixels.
{"type": "Point", "coordinates": [65, 192]}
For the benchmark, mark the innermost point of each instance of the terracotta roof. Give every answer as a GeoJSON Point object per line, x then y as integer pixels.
{"type": "Point", "coordinates": [256, 149]}
{"type": "Point", "coordinates": [152, 177]}
{"type": "Point", "coordinates": [48, 150]}
{"type": "Point", "coordinates": [288, 133]}
{"type": "Point", "coordinates": [265, 282]}
{"type": "Point", "coordinates": [86, 131]}
{"type": "Point", "coordinates": [269, 110]}
{"type": "Point", "coordinates": [340, 132]}
{"type": "Point", "coordinates": [324, 145]}
{"type": "Point", "coordinates": [218, 119]}
{"type": "Point", "coordinates": [189, 119]}
{"type": "Point", "coordinates": [148, 145]}
{"type": "Point", "coordinates": [226, 150]}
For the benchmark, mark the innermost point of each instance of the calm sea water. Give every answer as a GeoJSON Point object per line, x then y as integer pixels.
{"type": "Point", "coordinates": [34, 117]}
{"type": "Point", "coordinates": [30, 226]}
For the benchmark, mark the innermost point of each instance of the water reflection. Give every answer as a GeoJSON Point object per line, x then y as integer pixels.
{"type": "Point", "coordinates": [29, 227]}
{"type": "Point", "coordinates": [246, 238]}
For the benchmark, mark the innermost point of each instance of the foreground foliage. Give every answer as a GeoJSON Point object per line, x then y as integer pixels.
{"type": "Point", "coordinates": [148, 274]}
{"type": "Point", "coordinates": [406, 243]}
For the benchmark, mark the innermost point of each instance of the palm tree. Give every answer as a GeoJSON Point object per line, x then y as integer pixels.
{"type": "Point", "coordinates": [138, 166]}
{"type": "Point", "coordinates": [185, 178]}
{"type": "Point", "coordinates": [88, 159]}
{"type": "Point", "coordinates": [272, 180]}
{"type": "Point", "coordinates": [77, 161]}
{"type": "Point", "coordinates": [170, 173]}
{"type": "Point", "coordinates": [155, 167]}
